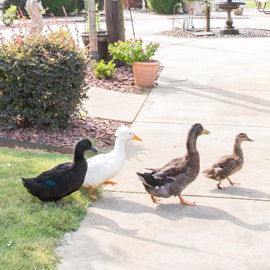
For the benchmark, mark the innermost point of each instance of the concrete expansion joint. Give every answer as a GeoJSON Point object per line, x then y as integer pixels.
{"type": "Point", "coordinates": [193, 195]}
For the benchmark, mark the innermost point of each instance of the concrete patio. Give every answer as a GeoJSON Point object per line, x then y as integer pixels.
{"type": "Point", "coordinates": [225, 85]}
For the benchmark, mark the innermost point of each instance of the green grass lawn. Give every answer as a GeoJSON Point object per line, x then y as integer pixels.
{"type": "Point", "coordinates": [30, 229]}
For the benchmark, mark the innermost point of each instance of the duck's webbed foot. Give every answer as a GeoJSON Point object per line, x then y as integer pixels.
{"type": "Point", "coordinates": [232, 183]}
{"type": "Point", "coordinates": [90, 192]}
{"type": "Point", "coordinates": [185, 202]}
{"type": "Point", "coordinates": [154, 200]}
{"type": "Point", "coordinates": [110, 183]}
{"type": "Point", "coordinates": [218, 185]}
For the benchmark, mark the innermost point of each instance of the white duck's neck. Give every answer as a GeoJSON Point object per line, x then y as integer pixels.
{"type": "Point", "coordinates": [120, 147]}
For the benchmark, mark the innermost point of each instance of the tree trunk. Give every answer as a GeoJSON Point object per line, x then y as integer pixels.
{"type": "Point", "coordinates": [114, 16]}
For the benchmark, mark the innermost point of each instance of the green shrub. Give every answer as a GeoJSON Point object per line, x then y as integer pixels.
{"type": "Point", "coordinates": [41, 80]}
{"type": "Point", "coordinates": [81, 5]}
{"type": "Point", "coordinates": [103, 71]}
{"type": "Point", "coordinates": [100, 4]}
{"type": "Point", "coordinates": [56, 7]}
{"type": "Point", "coordinates": [10, 15]}
{"type": "Point", "coordinates": [161, 6]}
{"type": "Point", "coordinates": [19, 3]}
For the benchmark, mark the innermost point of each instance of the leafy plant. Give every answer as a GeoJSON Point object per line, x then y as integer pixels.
{"type": "Point", "coordinates": [161, 6]}
{"type": "Point", "coordinates": [20, 4]}
{"type": "Point", "coordinates": [132, 50]}
{"type": "Point", "coordinates": [103, 71]}
{"type": "Point", "coordinates": [10, 15]}
{"type": "Point", "coordinates": [41, 79]}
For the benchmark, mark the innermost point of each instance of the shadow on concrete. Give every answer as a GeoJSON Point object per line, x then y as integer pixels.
{"type": "Point", "coordinates": [243, 192]}
{"type": "Point", "coordinates": [193, 88]}
{"type": "Point", "coordinates": [106, 224]}
{"type": "Point", "coordinates": [177, 211]}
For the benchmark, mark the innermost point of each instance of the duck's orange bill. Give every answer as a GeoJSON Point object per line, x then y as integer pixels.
{"type": "Point", "coordinates": [137, 138]}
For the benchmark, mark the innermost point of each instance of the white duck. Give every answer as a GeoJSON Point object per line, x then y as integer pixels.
{"type": "Point", "coordinates": [103, 167]}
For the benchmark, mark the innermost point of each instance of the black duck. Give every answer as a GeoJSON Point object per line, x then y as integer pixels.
{"type": "Point", "coordinates": [62, 180]}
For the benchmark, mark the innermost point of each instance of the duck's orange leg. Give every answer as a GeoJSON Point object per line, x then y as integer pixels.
{"type": "Point", "coordinates": [185, 202]}
{"type": "Point", "coordinates": [90, 192]}
{"type": "Point", "coordinates": [218, 185]}
{"type": "Point", "coordinates": [232, 183]}
{"type": "Point", "coordinates": [154, 200]}
{"type": "Point", "coordinates": [110, 183]}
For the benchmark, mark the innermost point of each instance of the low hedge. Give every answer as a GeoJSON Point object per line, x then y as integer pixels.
{"type": "Point", "coordinates": [161, 6]}
{"type": "Point", "coordinates": [41, 80]}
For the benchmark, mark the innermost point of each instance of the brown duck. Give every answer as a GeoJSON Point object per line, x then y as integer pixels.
{"type": "Point", "coordinates": [230, 164]}
{"type": "Point", "coordinates": [176, 175]}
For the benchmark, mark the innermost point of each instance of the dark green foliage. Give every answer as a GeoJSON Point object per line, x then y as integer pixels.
{"type": "Point", "coordinates": [56, 6]}
{"type": "Point", "coordinates": [161, 6]}
{"type": "Point", "coordinates": [81, 5]}
{"type": "Point", "coordinates": [18, 3]}
{"type": "Point", "coordinates": [73, 6]}
{"type": "Point", "coordinates": [41, 80]}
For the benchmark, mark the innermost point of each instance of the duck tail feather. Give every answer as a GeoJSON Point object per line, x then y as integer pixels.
{"type": "Point", "coordinates": [152, 169]}
{"type": "Point", "coordinates": [147, 179]}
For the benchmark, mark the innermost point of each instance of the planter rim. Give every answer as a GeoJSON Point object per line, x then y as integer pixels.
{"type": "Point", "coordinates": [148, 62]}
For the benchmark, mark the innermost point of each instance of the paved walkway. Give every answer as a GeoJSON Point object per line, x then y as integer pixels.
{"type": "Point", "coordinates": [225, 85]}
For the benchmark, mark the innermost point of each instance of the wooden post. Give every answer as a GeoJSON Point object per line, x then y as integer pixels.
{"type": "Point", "coordinates": [114, 16]}
{"type": "Point", "coordinates": [207, 17]}
{"type": "Point", "coordinates": [93, 30]}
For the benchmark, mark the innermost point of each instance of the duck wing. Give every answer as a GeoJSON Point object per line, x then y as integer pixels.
{"type": "Point", "coordinates": [223, 168]}
{"type": "Point", "coordinates": [53, 184]}
{"type": "Point", "coordinates": [172, 169]}
{"type": "Point", "coordinates": [57, 174]}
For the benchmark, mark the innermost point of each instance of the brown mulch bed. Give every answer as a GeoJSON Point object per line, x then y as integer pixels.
{"type": "Point", "coordinates": [100, 131]}
{"type": "Point", "coordinates": [123, 81]}
{"type": "Point", "coordinates": [97, 130]}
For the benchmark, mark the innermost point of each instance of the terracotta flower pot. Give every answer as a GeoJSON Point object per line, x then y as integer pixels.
{"type": "Point", "coordinates": [145, 73]}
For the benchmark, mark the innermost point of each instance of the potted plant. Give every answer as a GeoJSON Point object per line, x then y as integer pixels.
{"type": "Point", "coordinates": [138, 56]}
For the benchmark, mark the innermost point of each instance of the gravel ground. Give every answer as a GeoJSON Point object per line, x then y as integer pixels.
{"type": "Point", "coordinates": [244, 33]}
{"type": "Point", "coordinates": [123, 81]}
{"type": "Point", "coordinates": [99, 130]}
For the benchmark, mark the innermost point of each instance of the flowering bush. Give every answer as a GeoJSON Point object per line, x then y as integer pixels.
{"type": "Point", "coordinates": [42, 78]}
{"type": "Point", "coordinates": [132, 50]}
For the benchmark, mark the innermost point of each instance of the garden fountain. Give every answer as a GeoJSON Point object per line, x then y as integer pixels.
{"type": "Point", "coordinates": [229, 5]}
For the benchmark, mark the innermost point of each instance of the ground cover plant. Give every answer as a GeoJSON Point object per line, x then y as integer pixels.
{"type": "Point", "coordinates": [30, 229]}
